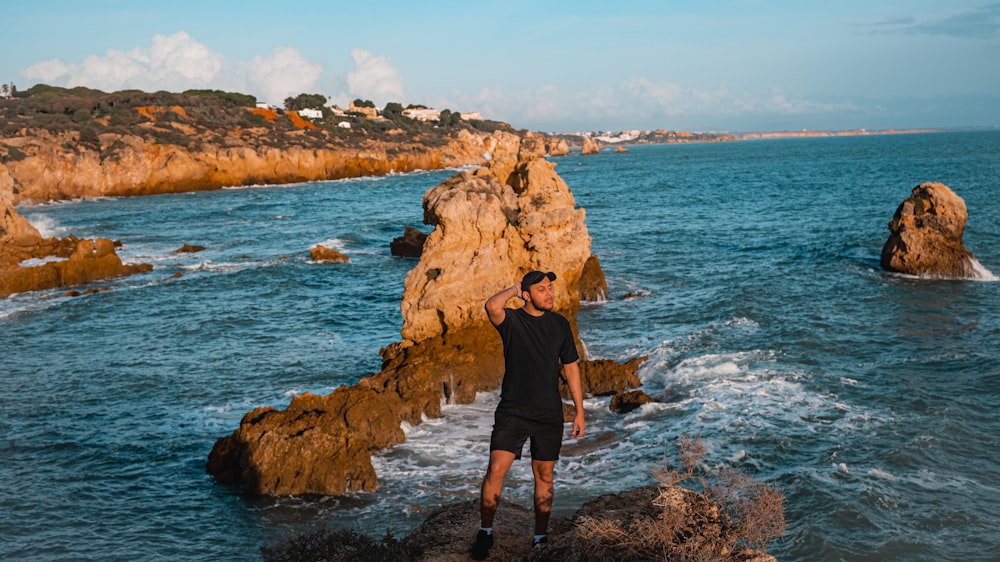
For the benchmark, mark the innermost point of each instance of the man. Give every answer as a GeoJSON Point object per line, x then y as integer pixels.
{"type": "Point", "coordinates": [537, 344]}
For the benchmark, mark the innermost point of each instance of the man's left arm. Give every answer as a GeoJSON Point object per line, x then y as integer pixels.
{"type": "Point", "coordinates": [572, 373]}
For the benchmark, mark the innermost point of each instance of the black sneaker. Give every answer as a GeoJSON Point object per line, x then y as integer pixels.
{"type": "Point", "coordinates": [540, 543]}
{"type": "Point", "coordinates": [481, 548]}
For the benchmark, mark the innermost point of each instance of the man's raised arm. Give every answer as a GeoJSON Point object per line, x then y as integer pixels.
{"type": "Point", "coordinates": [495, 304]}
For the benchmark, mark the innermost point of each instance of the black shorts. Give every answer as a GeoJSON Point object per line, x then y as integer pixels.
{"type": "Point", "coordinates": [514, 423]}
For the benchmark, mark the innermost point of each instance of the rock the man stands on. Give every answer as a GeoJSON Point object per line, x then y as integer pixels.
{"type": "Point", "coordinates": [537, 344]}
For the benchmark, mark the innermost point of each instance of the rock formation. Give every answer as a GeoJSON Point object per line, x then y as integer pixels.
{"type": "Point", "coordinates": [491, 226]}
{"type": "Point", "coordinates": [593, 285]}
{"type": "Point", "coordinates": [604, 377]}
{"type": "Point", "coordinates": [409, 245]}
{"type": "Point", "coordinates": [321, 254]}
{"type": "Point", "coordinates": [447, 533]}
{"type": "Point", "coordinates": [556, 147]}
{"type": "Point", "coordinates": [926, 235]}
{"type": "Point", "coordinates": [189, 249]}
{"type": "Point", "coordinates": [625, 402]}
{"type": "Point", "coordinates": [77, 261]}
{"type": "Point", "coordinates": [590, 146]}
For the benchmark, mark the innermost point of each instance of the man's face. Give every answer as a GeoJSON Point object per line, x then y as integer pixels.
{"type": "Point", "coordinates": [541, 295]}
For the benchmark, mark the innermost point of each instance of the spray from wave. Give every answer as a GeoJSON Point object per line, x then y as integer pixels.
{"type": "Point", "coordinates": [980, 273]}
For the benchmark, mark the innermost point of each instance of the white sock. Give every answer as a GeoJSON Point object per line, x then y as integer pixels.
{"type": "Point", "coordinates": [539, 537]}
{"type": "Point", "coordinates": [489, 530]}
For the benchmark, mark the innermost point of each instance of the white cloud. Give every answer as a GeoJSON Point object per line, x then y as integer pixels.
{"type": "Point", "coordinates": [179, 62]}
{"type": "Point", "coordinates": [374, 78]}
{"type": "Point", "coordinates": [282, 74]}
{"type": "Point", "coordinates": [172, 62]}
{"type": "Point", "coordinates": [48, 72]}
{"type": "Point", "coordinates": [639, 103]}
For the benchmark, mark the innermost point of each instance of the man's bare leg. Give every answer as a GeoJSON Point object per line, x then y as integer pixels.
{"type": "Point", "coordinates": [544, 491]}
{"type": "Point", "coordinates": [489, 499]}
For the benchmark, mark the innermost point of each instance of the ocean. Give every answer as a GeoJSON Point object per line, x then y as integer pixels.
{"type": "Point", "coordinates": [747, 272]}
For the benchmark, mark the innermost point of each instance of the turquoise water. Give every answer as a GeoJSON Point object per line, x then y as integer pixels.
{"type": "Point", "coordinates": [747, 272]}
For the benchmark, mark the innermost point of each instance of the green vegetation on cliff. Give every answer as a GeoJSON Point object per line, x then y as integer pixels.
{"type": "Point", "coordinates": [194, 118]}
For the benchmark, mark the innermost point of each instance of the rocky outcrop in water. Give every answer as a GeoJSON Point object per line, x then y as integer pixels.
{"type": "Point", "coordinates": [593, 285]}
{"type": "Point", "coordinates": [69, 261]}
{"type": "Point", "coordinates": [926, 235]}
{"type": "Point", "coordinates": [321, 254]}
{"type": "Point", "coordinates": [590, 146]}
{"type": "Point", "coordinates": [409, 245]}
{"type": "Point", "coordinates": [491, 226]}
{"type": "Point", "coordinates": [556, 147]}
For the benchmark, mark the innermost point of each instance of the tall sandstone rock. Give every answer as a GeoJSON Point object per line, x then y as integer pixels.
{"type": "Point", "coordinates": [926, 235]}
{"type": "Point", "coordinates": [491, 226]}
{"type": "Point", "coordinates": [590, 146]}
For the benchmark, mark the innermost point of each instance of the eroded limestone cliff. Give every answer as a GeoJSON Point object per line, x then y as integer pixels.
{"type": "Point", "coordinates": [58, 167]}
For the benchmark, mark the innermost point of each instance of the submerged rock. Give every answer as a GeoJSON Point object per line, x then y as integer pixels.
{"type": "Point", "coordinates": [189, 249]}
{"type": "Point", "coordinates": [926, 235]}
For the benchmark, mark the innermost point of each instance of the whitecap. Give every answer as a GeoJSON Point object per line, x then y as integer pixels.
{"type": "Point", "coordinates": [980, 273]}
{"type": "Point", "coordinates": [335, 244]}
{"type": "Point", "coordinates": [35, 262]}
{"type": "Point", "coordinates": [47, 226]}
{"type": "Point", "coordinates": [209, 266]}
{"type": "Point", "coordinates": [881, 474]}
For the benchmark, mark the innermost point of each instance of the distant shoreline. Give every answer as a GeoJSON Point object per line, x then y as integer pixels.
{"type": "Point", "coordinates": [666, 136]}
{"type": "Point", "coordinates": [844, 133]}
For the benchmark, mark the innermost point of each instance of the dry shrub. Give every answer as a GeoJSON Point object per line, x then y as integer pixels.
{"type": "Point", "coordinates": [736, 518]}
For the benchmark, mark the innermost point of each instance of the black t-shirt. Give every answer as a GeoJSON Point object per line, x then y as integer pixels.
{"type": "Point", "coordinates": [534, 348]}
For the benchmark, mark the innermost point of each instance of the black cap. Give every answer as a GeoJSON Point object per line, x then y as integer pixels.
{"type": "Point", "coordinates": [533, 277]}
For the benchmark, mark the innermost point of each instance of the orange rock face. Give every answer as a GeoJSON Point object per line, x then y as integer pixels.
{"type": "Point", "coordinates": [492, 226]}
{"type": "Point", "coordinates": [80, 261]}
{"type": "Point", "coordinates": [556, 147]}
{"type": "Point", "coordinates": [51, 172]}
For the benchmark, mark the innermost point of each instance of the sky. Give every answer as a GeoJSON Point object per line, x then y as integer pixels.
{"type": "Point", "coordinates": [553, 66]}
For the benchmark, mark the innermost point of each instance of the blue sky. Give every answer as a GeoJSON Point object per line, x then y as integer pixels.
{"type": "Point", "coordinates": [709, 65]}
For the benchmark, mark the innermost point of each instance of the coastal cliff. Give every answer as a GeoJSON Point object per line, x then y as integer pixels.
{"type": "Point", "coordinates": [60, 144]}
{"type": "Point", "coordinates": [50, 170]}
